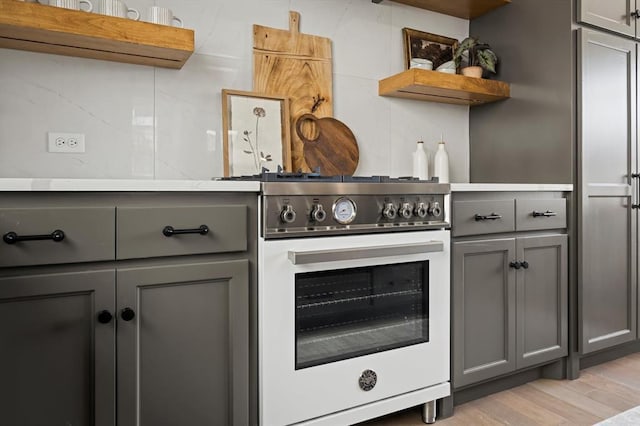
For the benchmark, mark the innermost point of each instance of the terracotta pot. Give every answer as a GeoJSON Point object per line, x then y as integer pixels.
{"type": "Point", "coordinates": [472, 72]}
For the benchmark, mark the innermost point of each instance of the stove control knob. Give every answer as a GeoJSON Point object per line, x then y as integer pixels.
{"type": "Point", "coordinates": [389, 211]}
{"type": "Point", "coordinates": [406, 210]}
{"type": "Point", "coordinates": [421, 210]}
{"type": "Point", "coordinates": [435, 209]}
{"type": "Point", "coordinates": [318, 214]}
{"type": "Point", "coordinates": [287, 215]}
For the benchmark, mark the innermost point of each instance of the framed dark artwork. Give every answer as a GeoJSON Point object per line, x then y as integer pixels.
{"type": "Point", "coordinates": [255, 129]}
{"type": "Point", "coordinates": [436, 48]}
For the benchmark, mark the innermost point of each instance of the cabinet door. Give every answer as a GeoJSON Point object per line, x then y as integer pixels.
{"type": "Point", "coordinates": [183, 357]}
{"type": "Point", "coordinates": [541, 292]}
{"type": "Point", "coordinates": [606, 222]}
{"type": "Point", "coordinates": [57, 362]}
{"type": "Point", "coordinates": [613, 15]}
{"type": "Point", "coordinates": [484, 301]}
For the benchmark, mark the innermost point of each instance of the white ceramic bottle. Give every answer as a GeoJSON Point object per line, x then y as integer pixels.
{"type": "Point", "coordinates": [441, 164]}
{"type": "Point", "coordinates": [420, 167]}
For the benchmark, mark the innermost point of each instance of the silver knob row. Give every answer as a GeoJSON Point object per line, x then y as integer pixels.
{"type": "Point", "coordinates": [406, 210]}
{"type": "Point", "coordinates": [390, 211]}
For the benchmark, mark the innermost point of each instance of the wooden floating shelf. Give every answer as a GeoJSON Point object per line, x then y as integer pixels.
{"type": "Point", "coordinates": [467, 9]}
{"type": "Point", "coordinates": [435, 86]}
{"type": "Point", "coordinates": [49, 29]}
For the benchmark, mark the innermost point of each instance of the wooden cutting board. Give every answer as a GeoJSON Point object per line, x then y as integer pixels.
{"type": "Point", "coordinates": [298, 66]}
{"type": "Point", "coordinates": [334, 148]}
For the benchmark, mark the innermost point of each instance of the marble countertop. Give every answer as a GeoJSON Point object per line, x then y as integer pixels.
{"type": "Point", "coordinates": [114, 185]}
{"type": "Point", "coordinates": [478, 187]}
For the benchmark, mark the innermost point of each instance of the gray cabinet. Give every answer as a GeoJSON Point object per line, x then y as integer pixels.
{"type": "Point", "coordinates": [613, 15]}
{"type": "Point", "coordinates": [57, 360]}
{"type": "Point", "coordinates": [178, 356]}
{"type": "Point", "coordinates": [541, 299]}
{"type": "Point", "coordinates": [121, 322]}
{"type": "Point", "coordinates": [484, 310]}
{"type": "Point", "coordinates": [607, 269]}
{"type": "Point", "coordinates": [509, 305]}
{"type": "Point", "coordinates": [509, 283]}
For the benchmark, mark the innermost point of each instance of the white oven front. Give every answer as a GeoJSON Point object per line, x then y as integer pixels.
{"type": "Point", "coordinates": [347, 321]}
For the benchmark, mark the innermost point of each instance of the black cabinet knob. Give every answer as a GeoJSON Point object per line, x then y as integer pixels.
{"type": "Point", "coordinates": [104, 317]}
{"type": "Point", "coordinates": [127, 314]}
{"type": "Point", "coordinates": [515, 265]}
{"type": "Point", "coordinates": [524, 264]}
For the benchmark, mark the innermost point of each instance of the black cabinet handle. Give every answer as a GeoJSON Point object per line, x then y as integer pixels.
{"type": "Point", "coordinates": [635, 14]}
{"type": "Point", "coordinates": [548, 213]}
{"type": "Point", "coordinates": [104, 317]}
{"type": "Point", "coordinates": [12, 237]}
{"type": "Point", "coordinates": [515, 265]}
{"type": "Point", "coordinates": [170, 231]}
{"type": "Point", "coordinates": [524, 264]}
{"type": "Point", "coordinates": [492, 216]}
{"type": "Point", "coordinates": [127, 314]}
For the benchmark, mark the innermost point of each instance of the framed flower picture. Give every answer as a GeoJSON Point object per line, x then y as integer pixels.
{"type": "Point", "coordinates": [255, 130]}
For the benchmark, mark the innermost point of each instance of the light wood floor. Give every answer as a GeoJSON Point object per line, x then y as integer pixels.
{"type": "Point", "coordinates": [601, 392]}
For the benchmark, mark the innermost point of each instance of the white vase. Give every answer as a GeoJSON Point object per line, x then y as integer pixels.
{"type": "Point", "coordinates": [420, 168]}
{"type": "Point", "coordinates": [441, 164]}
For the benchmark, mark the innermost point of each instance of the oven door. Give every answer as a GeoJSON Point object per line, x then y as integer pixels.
{"type": "Point", "coordinates": [345, 321]}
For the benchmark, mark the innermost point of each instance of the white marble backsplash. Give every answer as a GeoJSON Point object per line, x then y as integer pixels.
{"type": "Point", "coordinates": [142, 122]}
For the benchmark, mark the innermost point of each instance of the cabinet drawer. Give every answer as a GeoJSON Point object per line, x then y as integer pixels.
{"type": "Point", "coordinates": [483, 217]}
{"type": "Point", "coordinates": [140, 230]}
{"type": "Point", "coordinates": [541, 214]}
{"type": "Point", "coordinates": [88, 235]}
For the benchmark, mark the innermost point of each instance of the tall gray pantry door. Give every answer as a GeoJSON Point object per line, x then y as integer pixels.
{"type": "Point", "coordinates": [57, 361]}
{"type": "Point", "coordinates": [183, 336]}
{"type": "Point", "coordinates": [607, 223]}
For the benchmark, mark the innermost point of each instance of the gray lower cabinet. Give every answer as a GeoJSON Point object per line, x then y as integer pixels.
{"type": "Point", "coordinates": [57, 361]}
{"type": "Point", "coordinates": [484, 310]}
{"type": "Point", "coordinates": [183, 330]}
{"type": "Point", "coordinates": [509, 305]}
{"type": "Point", "coordinates": [121, 322]}
{"type": "Point", "coordinates": [541, 299]}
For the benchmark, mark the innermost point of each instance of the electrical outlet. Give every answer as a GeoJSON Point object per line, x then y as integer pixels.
{"type": "Point", "coordinates": [66, 142]}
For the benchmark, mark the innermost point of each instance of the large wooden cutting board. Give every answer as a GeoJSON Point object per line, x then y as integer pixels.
{"type": "Point", "coordinates": [299, 66]}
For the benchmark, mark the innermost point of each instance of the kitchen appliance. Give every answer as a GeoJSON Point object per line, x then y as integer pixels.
{"type": "Point", "coordinates": [353, 297]}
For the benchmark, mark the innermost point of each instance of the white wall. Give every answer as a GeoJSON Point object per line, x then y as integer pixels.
{"type": "Point", "coordinates": [154, 123]}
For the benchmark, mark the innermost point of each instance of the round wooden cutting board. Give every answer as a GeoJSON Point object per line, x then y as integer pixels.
{"type": "Point", "coordinates": [334, 150]}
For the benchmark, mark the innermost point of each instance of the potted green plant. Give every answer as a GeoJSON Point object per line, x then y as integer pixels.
{"type": "Point", "coordinates": [478, 56]}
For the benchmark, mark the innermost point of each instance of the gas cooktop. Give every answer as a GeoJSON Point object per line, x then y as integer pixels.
{"type": "Point", "coordinates": [281, 176]}
{"type": "Point", "coordinates": [309, 204]}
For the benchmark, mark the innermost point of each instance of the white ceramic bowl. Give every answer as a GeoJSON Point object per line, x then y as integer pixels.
{"type": "Point", "coordinates": [421, 63]}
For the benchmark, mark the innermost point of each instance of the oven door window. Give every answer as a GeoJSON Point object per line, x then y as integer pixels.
{"type": "Point", "coordinates": [347, 313]}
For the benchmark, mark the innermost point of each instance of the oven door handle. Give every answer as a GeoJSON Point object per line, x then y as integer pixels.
{"type": "Point", "coordinates": [320, 256]}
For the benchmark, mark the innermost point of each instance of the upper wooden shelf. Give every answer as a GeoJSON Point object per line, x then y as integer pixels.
{"type": "Point", "coordinates": [436, 86]}
{"type": "Point", "coordinates": [467, 9]}
{"type": "Point", "coordinates": [49, 29]}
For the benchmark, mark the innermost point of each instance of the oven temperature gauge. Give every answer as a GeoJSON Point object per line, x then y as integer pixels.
{"type": "Point", "coordinates": [344, 210]}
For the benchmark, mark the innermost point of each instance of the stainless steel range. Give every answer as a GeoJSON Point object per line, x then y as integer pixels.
{"type": "Point", "coordinates": [310, 208]}
{"type": "Point", "coordinates": [353, 298]}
